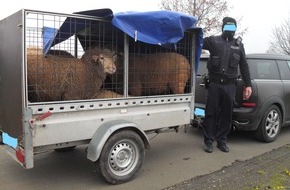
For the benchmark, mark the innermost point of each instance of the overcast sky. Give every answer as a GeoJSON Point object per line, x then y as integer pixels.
{"type": "Point", "coordinates": [259, 16]}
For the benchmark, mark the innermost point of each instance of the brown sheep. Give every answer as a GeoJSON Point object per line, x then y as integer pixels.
{"type": "Point", "coordinates": [56, 78]}
{"type": "Point", "coordinates": [156, 74]}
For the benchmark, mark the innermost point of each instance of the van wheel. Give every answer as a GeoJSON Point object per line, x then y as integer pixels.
{"type": "Point", "coordinates": [270, 125]}
{"type": "Point", "coordinates": [122, 157]}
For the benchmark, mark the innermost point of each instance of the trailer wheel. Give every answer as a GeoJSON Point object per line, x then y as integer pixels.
{"type": "Point", "coordinates": [122, 157]}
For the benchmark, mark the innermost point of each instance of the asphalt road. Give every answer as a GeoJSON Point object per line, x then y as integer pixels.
{"type": "Point", "coordinates": [270, 170]}
{"type": "Point", "coordinates": [173, 158]}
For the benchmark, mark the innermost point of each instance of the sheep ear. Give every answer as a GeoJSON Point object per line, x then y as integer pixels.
{"type": "Point", "coordinates": [95, 58]}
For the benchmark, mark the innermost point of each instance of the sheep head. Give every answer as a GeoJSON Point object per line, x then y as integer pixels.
{"type": "Point", "coordinates": [108, 63]}
{"type": "Point", "coordinates": [106, 58]}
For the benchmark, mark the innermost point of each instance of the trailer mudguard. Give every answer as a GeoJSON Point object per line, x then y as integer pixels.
{"type": "Point", "coordinates": [104, 132]}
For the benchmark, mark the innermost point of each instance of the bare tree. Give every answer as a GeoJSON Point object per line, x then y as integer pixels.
{"type": "Point", "coordinates": [281, 39]}
{"type": "Point", "coordinates": [209, 12]}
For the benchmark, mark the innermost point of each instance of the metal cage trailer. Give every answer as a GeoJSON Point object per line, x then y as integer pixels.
{"type": "Point", "coordinates": [50, 99]}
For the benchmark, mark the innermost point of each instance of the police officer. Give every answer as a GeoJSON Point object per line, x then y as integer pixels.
{"type": "Point", "coordinates": [226, 55]}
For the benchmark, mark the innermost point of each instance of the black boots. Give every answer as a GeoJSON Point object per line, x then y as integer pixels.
{"type": "Point", "coordinates": [208, 148]}
{"type": "Point", "coordinates": [223, 147]}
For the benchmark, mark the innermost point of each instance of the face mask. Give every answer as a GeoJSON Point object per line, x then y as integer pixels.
{"type": "Point", "coordinates": [228, 34]}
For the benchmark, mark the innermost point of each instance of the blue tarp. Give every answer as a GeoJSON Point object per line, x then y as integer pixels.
{"type": "Point", "coordinates": [48, 38]}
{"type": "Point", "coordinates": [155, 27]}
{"type": "Point", "coordinates": [162, 27]}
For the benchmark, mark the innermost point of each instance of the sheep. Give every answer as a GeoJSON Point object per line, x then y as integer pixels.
{"type": "Point", "coordinates": [57, 78]}
{"type": "Point", "coordinates": [34, 51]}
{"type": "Point", "coordinates": [156, 74]}
{"type": "Point", "coordinates": [60, 53]}
{"type": "Point", "coordinates": [107, 94]}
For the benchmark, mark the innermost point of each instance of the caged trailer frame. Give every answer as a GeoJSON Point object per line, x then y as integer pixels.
{"type": "Point", "coordinates": [114, 126]}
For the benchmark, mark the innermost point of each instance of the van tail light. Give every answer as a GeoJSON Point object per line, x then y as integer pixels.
{"type": "Point", "coordinates": [248, 104]}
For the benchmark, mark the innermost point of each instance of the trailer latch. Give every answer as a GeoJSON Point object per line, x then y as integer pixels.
{"type": "Point", "coordinates": [40, 118]}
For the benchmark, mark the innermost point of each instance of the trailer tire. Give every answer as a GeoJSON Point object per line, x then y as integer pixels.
{"type": "Point", "coordinates": [122, 157]}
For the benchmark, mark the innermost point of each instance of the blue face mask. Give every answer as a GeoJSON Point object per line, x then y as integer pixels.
{"type": "Point", "coordinates": [230, 27]}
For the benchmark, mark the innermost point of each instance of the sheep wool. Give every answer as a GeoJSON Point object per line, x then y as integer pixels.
{"type": "Point", "coordinates": [160, 73]}
{"type": "Point", "coordinates": [107, 94]}
{"type": "Point", "coordinates": [62, 77]}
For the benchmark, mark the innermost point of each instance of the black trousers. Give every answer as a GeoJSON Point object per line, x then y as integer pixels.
{"type": "Point", "coordinates": [218, 112]}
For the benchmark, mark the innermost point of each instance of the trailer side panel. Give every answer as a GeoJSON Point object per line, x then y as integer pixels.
{"type": "Point", "coordinates": [11, 74]}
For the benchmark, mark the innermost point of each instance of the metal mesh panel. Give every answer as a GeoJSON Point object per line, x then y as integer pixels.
{"type": "Point", "coordinates": [71, 71]}
{"type": "Point", "coordinates": [66, 72]}
{"type": "Point", "coordinates": [156, 70]}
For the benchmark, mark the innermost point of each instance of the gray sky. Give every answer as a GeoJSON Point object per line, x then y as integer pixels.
{"type": "Point", "coordinates": [259, 16]}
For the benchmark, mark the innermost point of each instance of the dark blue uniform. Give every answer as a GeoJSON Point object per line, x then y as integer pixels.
{"type": "Point", "coordinates": [226, 55]}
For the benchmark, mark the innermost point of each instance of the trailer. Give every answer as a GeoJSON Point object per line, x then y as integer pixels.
{"type": "Point", "coordinates": [37, 116]}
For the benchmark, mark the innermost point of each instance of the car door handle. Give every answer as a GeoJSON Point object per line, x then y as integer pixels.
{"type": "Point", "coordinates": [202, 85]}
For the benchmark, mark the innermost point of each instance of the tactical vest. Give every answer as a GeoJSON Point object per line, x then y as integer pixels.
{"type": "Point", "coordinates": [224, 58]}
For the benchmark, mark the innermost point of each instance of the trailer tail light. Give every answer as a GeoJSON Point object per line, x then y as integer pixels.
{"type": "Point", "coordinates": [20, 155]}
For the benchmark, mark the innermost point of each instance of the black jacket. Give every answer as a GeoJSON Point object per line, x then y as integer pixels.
{"type": "Point", "coordinates": [225, 57]}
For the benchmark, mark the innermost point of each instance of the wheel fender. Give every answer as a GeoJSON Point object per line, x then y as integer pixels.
{"type": "Point", "coordinates": [105, 131]}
